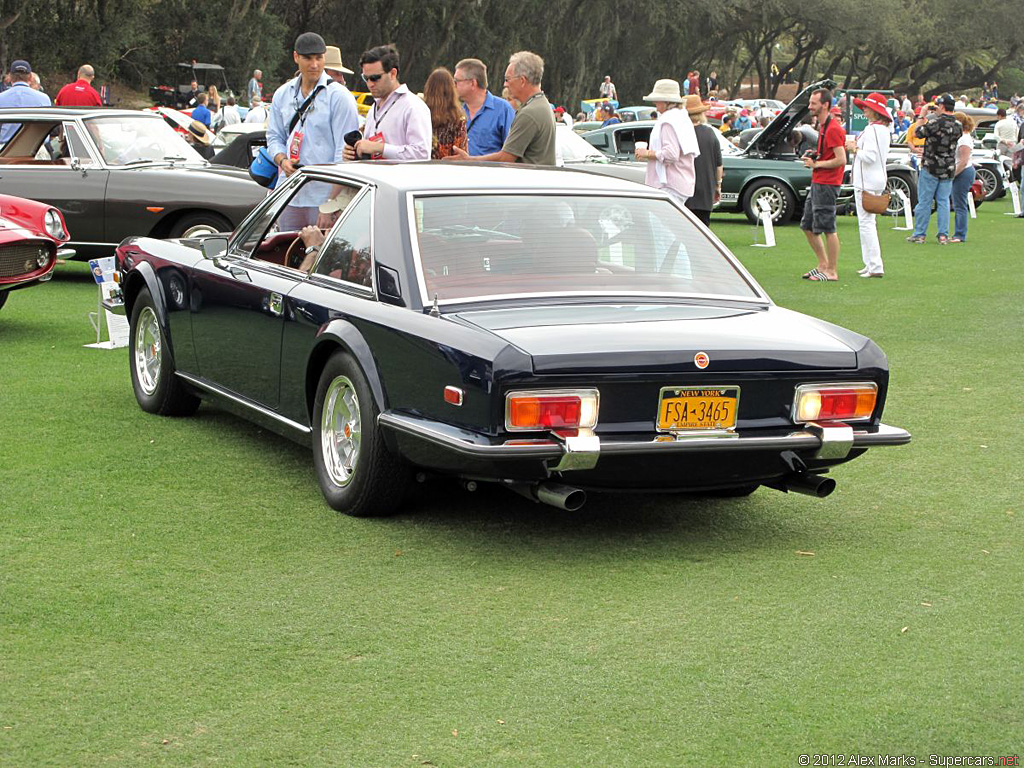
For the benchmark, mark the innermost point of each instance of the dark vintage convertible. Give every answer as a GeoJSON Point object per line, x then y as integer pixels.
{"type": "Point", "coordinates": [548, 330]}
{"type": "Point", "coordinates": [113, 173]}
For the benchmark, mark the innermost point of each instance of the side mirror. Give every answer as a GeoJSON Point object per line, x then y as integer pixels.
{"type": "Point", "coordinates": [214, 247]}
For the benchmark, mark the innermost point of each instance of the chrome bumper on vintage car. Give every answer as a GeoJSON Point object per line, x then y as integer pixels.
{"type": "Point", "coordinates": [581, 452]}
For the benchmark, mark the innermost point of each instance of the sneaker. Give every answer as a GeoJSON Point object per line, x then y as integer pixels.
{"type": "Point", "coordinates": [942, 239]}
{"type": "Point", "coordinates": [916, 239]}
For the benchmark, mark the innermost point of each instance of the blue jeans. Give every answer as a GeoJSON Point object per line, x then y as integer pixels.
{"type": "Point", "coordinates": [961, 189]}
{"type": "Point", "coordinates": [930, 188]}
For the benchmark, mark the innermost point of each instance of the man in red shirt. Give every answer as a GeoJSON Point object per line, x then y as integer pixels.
{"type": "Point", "coordinates": [827, 165]}
{"type": "Point", "coordinates": [80, 93]}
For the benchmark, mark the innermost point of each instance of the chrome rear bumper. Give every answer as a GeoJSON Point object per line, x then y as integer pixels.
{"type": "Point", "coordinates": [827, 442]}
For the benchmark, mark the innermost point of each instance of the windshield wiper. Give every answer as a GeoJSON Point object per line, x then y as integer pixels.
{"type": "Point", "coordinates": [174, 157]}
{"type": "Point", "coordinates": [139, 160]}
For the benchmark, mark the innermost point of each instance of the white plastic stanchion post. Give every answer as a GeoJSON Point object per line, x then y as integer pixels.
{"type": "Point", "coordinates": [970, 205]}
{"type": "Point", "coordinates": [905, 205]}
{"type": "Point", "coordinates": [1015, 196]}
{"type": "Point", "coordinates": [766, 221]}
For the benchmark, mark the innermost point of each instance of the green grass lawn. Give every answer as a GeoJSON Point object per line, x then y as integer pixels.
{"type": "Point", "coordinates": [176, 592]}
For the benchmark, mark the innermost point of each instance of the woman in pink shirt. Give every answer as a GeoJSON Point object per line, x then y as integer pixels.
{"type": "Point", "coordinates": [673, 144]}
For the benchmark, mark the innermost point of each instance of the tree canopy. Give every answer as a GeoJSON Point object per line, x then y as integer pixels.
{"type": "Point", "coordinates": [911, 45]}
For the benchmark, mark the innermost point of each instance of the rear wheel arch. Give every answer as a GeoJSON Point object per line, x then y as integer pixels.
{"type": "Point", "coordinates": [345, 337]}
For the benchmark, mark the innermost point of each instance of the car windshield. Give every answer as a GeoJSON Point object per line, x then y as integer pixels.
{"type": "Point", "coordinates": [571, 147]}
{"type": "Point", "coordinates": [480, 246]}
{"type": "Point", "coordinates": [138, 140]}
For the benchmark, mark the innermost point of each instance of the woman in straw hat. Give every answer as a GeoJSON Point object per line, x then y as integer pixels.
{"type": "Point", "coordinates": [673, 144]}
{"type": "Point", "coordinates": [870, 149]}
{"type": "Point", "coordinates": [963, 178]}
{"type": "Point", "coordinates": [708, 169]}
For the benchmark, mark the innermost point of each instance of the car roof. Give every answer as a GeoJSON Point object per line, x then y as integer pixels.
{"type": "Point", "coordinates": [63, 113]}
{"type": "Point", "coordinates": [460, 176]}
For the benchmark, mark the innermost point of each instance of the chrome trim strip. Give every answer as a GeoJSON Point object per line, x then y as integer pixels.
{"type": "Point", "coordinates": [214, 389]}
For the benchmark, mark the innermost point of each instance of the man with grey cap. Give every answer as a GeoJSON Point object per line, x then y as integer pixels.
{"type": "Point", "coordinates": [325, 112]}
{"type": "Point", "coordinates": [20, 94]}
{"type": "Point", "coordinates": [935, 180]}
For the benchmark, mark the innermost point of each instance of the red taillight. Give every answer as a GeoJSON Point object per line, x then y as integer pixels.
{"type": "Point", "coordinates": [551, 410]}
{"type": "Point", "coordinates": [842, 402]}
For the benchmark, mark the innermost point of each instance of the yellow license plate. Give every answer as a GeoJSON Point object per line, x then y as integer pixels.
{"type": "Point", "coordinates": [683, 409]}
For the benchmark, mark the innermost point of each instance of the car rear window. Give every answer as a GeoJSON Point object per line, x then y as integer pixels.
{"type": "Point", "coordinates": [491, 245]}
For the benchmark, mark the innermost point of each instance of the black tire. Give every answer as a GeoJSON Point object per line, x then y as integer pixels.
{"type": "Point", "coordinates": [195, 224]}
{"type": "Point", "coordinates": [3, 298]}
{"type": "Point", "coordinates": [991, 181]}
{"type": "Point", "coordinates": [358, 475]}
{"type": "Point", "coordinates": [156, 387]}
{"type": "Point", "coordinates": [903, 182]}
{"type": "Point", "coordinates": [780, 198]}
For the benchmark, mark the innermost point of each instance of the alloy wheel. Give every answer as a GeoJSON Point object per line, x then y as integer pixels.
{"type": "Point", "coordinates": [341, 431]}
{"type": "Point", "coordinates": [148, 351]}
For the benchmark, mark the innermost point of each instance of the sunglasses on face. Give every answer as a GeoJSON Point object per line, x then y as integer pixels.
{"type": "Point", "coordinates": [373, 78]}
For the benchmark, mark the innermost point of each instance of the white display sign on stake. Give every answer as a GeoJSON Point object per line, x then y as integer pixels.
{"type": "Point", "coordinates": [905, 205]}
{"type": "Point", "coordinates": [970, 205]}
{"type": "Point", "coordinates": [766, 221]}
{"type": "Point", "coordinates": [1015, 196]}
{"type": "Point", "coordinates": [117, 326]}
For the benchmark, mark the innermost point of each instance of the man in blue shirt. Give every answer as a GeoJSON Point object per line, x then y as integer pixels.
{"type": "Point", "coordinates": [318, 137]}
{"type": "Point", "coordinates": [488, 118]}
{"type": "Point", "coordinates": [200, 111]}
{"type": "Point", "coordinates": [20, 94]}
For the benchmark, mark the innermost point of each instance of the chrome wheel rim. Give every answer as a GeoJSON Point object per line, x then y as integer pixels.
{"type": "Point", "coordinates": [148, 351]}
{"type": "Point", "coordinates": [341, 431]}
{"type": "Point", "coordinates": [774, 198]}
{"type": "Point", "coordinates": [199, 229]}
{"type": "Point", "coordinates": [988, 181]}
{"type": "Point", "coordinates": [893, 185]}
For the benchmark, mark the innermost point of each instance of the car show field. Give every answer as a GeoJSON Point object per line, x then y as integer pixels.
{"type": "Point", "coordinates": [176, 592]}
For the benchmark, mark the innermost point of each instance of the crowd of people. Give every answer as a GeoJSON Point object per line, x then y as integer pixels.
{"type": "Point", "coordinates": [313, 118]}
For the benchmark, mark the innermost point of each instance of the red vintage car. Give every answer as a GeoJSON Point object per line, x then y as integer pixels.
{"type": "Point", "coordinates": [31, 236]}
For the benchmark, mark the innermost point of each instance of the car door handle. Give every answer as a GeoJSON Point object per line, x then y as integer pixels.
{"type": "Point", "coordinates": [233, 270]}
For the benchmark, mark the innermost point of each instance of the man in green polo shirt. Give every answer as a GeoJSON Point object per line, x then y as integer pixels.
{"type": "Point", "coordinates": [532, 136]}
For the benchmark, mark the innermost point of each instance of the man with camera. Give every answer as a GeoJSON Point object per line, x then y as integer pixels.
{"type": "Point", "coordinates": [398, 127]}
{"type": "Point", "coordinates": [938, 162]}
{"type": "Point", "coordinates": [309, 117]}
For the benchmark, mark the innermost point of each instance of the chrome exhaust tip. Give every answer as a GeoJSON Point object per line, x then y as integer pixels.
{"type": "Point", "coordinates": [803, 482]}
{"type": "Point", "coordinates": [553, 494]}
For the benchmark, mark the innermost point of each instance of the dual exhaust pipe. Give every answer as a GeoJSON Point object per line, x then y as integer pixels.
{"type": "Point", "coordinates": [571, 499]}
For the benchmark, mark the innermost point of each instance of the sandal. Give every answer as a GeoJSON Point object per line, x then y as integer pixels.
{"type": "Point", "coordinates": [821, 278]}
{"type": "Point", "coordinates": [812, 275]}
{"type": "Point", "coordinates": [916, 239]}
{"type": "Point", "coordinates": [942, 239]}
{"type": "Point", "coordinates": [956, 240]}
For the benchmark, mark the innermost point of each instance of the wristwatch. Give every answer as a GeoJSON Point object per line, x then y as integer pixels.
{"type": "Point", "coordinates": [312, 249]}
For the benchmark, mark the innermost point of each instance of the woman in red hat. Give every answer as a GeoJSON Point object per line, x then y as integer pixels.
{"type": "Point", "coordinates": [870, 149]}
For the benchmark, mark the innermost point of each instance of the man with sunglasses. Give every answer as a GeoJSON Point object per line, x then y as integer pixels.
{"type": "Point", "coordinates": [398, 126]}
{"type": "Point", "coordinates": [326, 112]}
{"type": "Point", "coordinates": [532, 136]}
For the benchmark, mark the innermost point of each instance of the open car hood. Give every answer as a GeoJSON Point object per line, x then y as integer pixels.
{"type": "Point", "coordinates": [638, 338]}
{"type": "Point", "coordinates": [768, 140]}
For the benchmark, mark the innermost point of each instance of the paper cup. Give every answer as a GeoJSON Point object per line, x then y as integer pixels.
{"type": "Point", "coordinates": [641, 145]}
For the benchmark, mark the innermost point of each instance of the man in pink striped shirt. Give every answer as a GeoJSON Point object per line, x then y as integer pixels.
{"type": "Point", "coordinates": [398, 127]}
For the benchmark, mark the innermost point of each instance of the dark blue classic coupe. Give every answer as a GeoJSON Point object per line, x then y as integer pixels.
{"type": "Point", "coordinates": [547, 330]}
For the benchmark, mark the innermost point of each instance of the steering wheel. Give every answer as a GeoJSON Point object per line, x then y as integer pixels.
{"type": "Point", "coordinates": [292, 257]}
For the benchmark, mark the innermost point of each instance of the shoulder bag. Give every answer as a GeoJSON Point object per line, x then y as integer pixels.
{"type": "Point", "coordinates": [262, 169]}
{"type": "Point", "coordinates": [871, 202]}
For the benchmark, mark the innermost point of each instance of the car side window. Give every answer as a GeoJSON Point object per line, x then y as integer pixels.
{"type": "Point", "coordinates": [73, 146]}
{"type": "Point", "coordinates": [346, 254]}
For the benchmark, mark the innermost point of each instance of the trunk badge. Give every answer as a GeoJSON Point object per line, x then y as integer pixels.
{"type": "Point", "coordinates": [701, 360]}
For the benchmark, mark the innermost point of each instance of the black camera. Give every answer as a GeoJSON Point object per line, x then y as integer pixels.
{"type": "Point", "coordinates": [351, 138]}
